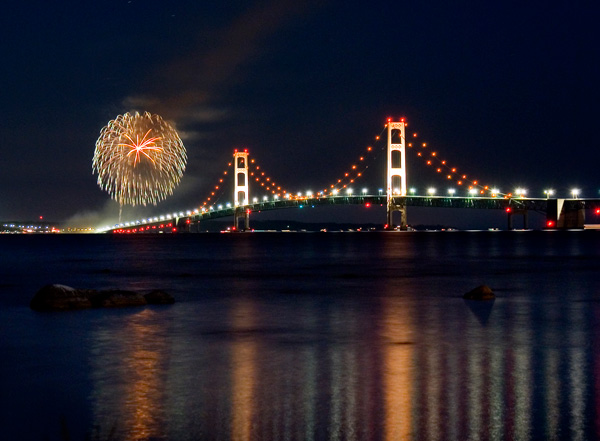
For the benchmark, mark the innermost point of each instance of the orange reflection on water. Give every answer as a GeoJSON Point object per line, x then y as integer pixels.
{"type": "Point", "coordinates": [397, 369]}
{"type": "Point", "coordinates": [243, 360]}
{"type": "Point", "coordinates": [142, 352]}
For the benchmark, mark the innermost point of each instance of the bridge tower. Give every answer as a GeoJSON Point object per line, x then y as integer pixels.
{"type": "Point", "coordinates": [241, 196]}
{"type": "Point", "coordinates": [396, 171]}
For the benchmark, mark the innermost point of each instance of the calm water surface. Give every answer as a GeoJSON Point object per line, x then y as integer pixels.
{"type": "Point", "coordinates": [349, 336]}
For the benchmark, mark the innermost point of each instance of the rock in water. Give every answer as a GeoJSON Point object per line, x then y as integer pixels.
{"type": "Point", "coordinates": [117, 298]}
{"type": "Point", "coordinates": [158, 297]}
{"type": "Point", "coordinates": [482, 292]}
{"type": "Point", "coordinates": [60, 298]}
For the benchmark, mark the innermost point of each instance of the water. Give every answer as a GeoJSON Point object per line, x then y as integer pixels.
{"type": "Point", "coordinates": [347, 336]}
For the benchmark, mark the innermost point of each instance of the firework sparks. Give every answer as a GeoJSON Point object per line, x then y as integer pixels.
{"type": "Point", "coordinates": [139, 158]}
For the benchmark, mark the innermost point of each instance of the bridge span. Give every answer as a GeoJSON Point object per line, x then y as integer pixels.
{"type": "Point", "coordinates": [560, 213]}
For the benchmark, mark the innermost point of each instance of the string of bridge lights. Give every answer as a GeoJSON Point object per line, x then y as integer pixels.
{"type": "Point", "coordinates": [357, 169]}
{"type": "Point", "coordinates": [451, 173]}
{"type": "Point", "coordinates": [266, 181]}
{"type": "Point", "coordinates": [215, 193]}
{"type": "Point", "coordinates": [354, 172]}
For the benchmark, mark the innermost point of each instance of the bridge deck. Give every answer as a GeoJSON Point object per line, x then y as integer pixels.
{"type": "Point", "coordinates": [489, 203]}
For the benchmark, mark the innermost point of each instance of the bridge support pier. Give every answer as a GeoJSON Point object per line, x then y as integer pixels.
{"type": "Point", "coordinates": [393, 207]}
{"type": "Point", "coordinates": [241, 213]}
{"type": "Point", "coordinates": [521, 212]}
{"type": "Point", "coordinates": [561, 215]}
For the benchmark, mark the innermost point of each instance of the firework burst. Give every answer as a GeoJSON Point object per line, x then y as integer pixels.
{"type": "Point", "coordinates": [139, 158]}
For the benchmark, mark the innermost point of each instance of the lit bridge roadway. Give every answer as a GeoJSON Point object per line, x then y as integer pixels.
{"type": "Point", "coordinates": [182, 222]}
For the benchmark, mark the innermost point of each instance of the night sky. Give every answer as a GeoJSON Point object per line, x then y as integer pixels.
{"type": "Point", "coordinates": [507, 91]}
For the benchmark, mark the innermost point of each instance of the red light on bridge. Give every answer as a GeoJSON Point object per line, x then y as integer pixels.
{"type": "Point", "coordinates": [367, 205]}
{"type": "Point", "coordinates": [174, 230]}
{"type": "Point", "coordinates": [550, 224]}
{"type": "Point", "coordinates": [508, 209]}
{"type": "Point", "coordinates": [597, 210]}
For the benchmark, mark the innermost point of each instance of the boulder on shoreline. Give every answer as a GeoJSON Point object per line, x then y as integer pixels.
{"type": "Point", "coordinates": [60, 298]}
{"type": "Point", "coordinates": [63, 298]}
{"type": "Point", "coordinates": [115, 298]}
{"type": "Point", "coordinates": [159, 297]}
{"type": "Point", "coordinates": [482, 292]}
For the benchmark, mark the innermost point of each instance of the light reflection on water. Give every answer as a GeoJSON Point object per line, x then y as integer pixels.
{"type": "Point", "coordinates": [346, 340]}
{"type": "Point", "coordinates": [130, 363]}
{"type": "Point", "coordinates": [341, 372]}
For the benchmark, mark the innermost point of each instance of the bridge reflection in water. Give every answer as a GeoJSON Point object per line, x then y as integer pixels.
{"type": "Point", "coordinates": [349, 369]}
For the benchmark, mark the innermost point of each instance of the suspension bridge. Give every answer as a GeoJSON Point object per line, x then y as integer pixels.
{"type": "Point", "coordinates": [560, 213]}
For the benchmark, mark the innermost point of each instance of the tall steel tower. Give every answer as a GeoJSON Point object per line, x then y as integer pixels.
{"type": "Point", "coordinates": [241, 196]}
{"type": "Point", "coordinates": [396, 172]}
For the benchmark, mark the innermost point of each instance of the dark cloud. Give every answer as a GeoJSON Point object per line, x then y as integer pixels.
{"type": "Point", "coordinates": [187, 89]}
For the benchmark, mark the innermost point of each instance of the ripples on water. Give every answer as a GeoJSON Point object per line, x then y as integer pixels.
{"type": "Point", "coordinates": [306, 336]}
